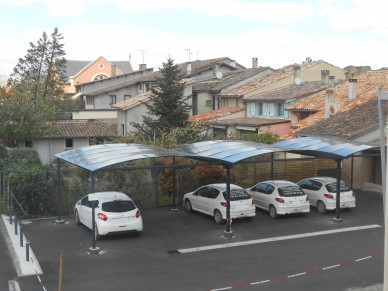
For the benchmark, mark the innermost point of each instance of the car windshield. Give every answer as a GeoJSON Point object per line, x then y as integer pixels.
{"type": "Point", "coordinates": [290, 191]}
{"type": "Point", "coordinates": [118, 206]}
{"type": "Point", "coordinates": [332, 187]}
{"type": "Point", "coordinates": [237, 194]}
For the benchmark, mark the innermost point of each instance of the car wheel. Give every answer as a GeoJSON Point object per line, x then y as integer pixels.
{"type": "Point", "coordinates": [218, 217]}
{"type": "Point", "coordinates": [97, 236]}
{"type": "Point", "coordinates": [188, 207]}
{"type": "Point", "coordinates": [272, 212]}
{"type": "Point", "coordinates": [77, 221]}
{"type": "Point", "coordinates": [321, 207]}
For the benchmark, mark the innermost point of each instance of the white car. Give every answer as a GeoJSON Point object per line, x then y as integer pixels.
{"type": "Point", "coordinates": [115, 213]}
{"type": "Point", "coordinates": [322, 192]}
{"type": "Point", "coordinates": [279, 197]}
{"type": "Point", "coordinates": [210, 199]}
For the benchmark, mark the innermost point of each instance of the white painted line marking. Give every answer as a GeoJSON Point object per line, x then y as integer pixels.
{"type": "Point", "coordinates": [296, 275]}
{"type": "Point", "coordinates": [361, 259]}
{"type": "Point", "coordinates": [280, 238]}
{"type": "Point", "coordinates": [331, 267]}
{"type": "Point", "coordinates": [261, 282]}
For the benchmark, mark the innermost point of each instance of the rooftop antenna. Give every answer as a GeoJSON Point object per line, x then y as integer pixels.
{"type": "Point", "coordinates": [188, 52]}
{"type": "Point", "coordinates": [142, 52]}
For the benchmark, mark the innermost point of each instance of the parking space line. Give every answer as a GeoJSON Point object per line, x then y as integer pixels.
{"type": "Point", "coordinates": [265, 240]}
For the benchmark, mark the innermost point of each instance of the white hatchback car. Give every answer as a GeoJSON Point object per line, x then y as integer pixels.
{"type": "Point", "coordinates": [279, 197]}
{"type": "Point", "coordinates": [115, 213]}
{"type": "Point", "coordinates": [210, 199]}
{"type": "Point", "coordinates": [322, 192]}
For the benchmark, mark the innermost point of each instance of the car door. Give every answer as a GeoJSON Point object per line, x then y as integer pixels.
{"type": "Point", "coordinates": [268, 196]}
{"type": "Point", "coordinates": [199, 199]}
{"type": "Point", "coordinates": [310, 190]}
{"type": "Point", "coordinates": [260, 195]}
{"type": "Point", "coordinates": [87, 210]}
{"type": "Point", "coordinates": [82, 208]}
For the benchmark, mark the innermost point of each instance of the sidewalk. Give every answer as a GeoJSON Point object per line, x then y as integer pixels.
{"type": "Point", "coordinates": [18, 253]}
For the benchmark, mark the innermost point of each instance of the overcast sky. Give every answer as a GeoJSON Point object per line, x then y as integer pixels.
{"type": "Point", "coordinates": [278, 32]}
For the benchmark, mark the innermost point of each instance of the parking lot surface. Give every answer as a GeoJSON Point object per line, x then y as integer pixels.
{"type": "Point", "coordinates": [187, 251]}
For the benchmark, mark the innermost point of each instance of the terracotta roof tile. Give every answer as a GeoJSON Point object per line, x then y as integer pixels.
{"type": "Point", "coordinates": [289, 92]}
{"type": "Point", "coordinates": [367, 88]}
{"type": "Point", "coordinates": [132, 102]}
{"type": "Point", "coordinates": [251, 121]}
{"type": "Point", "coordinates": [214, 114]}
{"type": "Point", "coordinates": [270, 78]}
{"type": "Point", "coordinates": [83, 128]}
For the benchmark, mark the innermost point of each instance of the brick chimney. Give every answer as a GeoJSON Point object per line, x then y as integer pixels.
{"type": "Point", "coordinates": [330, 106]}
{"type": "Point", "coordinates": [254, 63]}
{"type": "Point", "coordinates": [331, 81]}
{"type": "Point", "coordinates": [325, 77]}
{"type": "Point", "coordinates": [352, 89]}
{"type": "Point", "coordinates": [142, 67]}
{"type": "Point", "coordinates": [297, 77]}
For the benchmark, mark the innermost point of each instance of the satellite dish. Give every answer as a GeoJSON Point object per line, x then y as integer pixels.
{"type": "Point", "coordinates": [298, 81]}
{"type": "Point", "coordinates": [333, 108]}
{"type": "Point", "coordinates": [219, 75]}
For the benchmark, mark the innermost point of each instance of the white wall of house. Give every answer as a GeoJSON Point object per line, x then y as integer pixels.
{"type": "Point", "coordinates": [267, 109]}
{"type": "Point", "coordinates": [100, 114]}
{"type": "Point", "coordinates": [47, 148]}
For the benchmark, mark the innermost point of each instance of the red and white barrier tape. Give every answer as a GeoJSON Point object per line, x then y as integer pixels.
{"type": "Point", "coordinates": [37, 274]}
{"type": "Point", "coordinates": [312, 271]}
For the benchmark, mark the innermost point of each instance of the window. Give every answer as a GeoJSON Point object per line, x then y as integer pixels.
{"type": "Point", "coordinates": [112, 99]}
{"type": "Point", "coordinates": [99, 77]}
{"type": "Point", "coordinates": [279, 109]}
{"type": "Point", "coordinates": [260, 109]}
{"type": "Point", "coordinates": [28, 144]}
{"type": "Point", "coordinates": [89, 100]}
{"type": "Point", "coordinates": [126, 97]}
{"type": "Point", "coordinates": [208, 103]}
{"type": "Point", "coordinates": [69, 143]}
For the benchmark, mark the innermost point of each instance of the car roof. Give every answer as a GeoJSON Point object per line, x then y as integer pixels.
{"type": "Point", "coordinates": [323, 179]}
{"type": "Point", "coordinates": [108, 196]}
{"type": "Point", "coordinates": [279, 183]}
{"type": "Point", "coordinates": [222, 186]}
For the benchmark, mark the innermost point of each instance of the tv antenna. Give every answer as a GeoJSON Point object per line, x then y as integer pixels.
{"type": "Point", "coordinates": [142, 52]}
{"type": "Point", "coordinates": [188, 52]}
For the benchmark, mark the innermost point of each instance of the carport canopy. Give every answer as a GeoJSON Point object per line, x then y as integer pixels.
{"type": "Point", "coordinates": [224, 152]}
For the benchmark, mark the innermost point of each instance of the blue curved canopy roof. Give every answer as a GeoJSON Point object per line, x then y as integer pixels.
{"type": "Point", "coordinates": [324, 146]}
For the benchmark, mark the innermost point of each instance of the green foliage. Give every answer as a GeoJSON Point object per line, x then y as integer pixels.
{"type": "Point", "coordinates": [267, 137]}
{"type": "Point", "coordinates": [35, 85]}
{"type": "Point", "coordinates": [168, 107]}
{"type": "Point", "coordinates": [26, 155]}
{"type": "Point", "coordinates": [32, 185]}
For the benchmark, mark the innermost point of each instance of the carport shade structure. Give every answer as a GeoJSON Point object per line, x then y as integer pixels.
{"type": "Point", "coordinates": [336, 149]}
{"type": "Point", "coordinates": [226, 153]}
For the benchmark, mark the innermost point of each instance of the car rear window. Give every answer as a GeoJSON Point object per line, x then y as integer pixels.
{"type": "Point", "coordinates": [237, 194]}
{"type": "Point", "coordinates": [332, 187]}
{"type": "Point", "coordinates": [118, 206]}
{"type": "Point", "coordinates": [290, 191]}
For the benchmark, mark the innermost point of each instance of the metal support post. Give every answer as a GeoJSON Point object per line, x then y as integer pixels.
{"type": "Point", "coordinates": [16, 225]}
{"type": "Point", "coordinates": [59, 197]}
{"type": "Point", "coordinates": [228, 233]}
{"type": "Point", "coordinates": [27, 250]}
{"type": "Point", "coordinates": [94, 249]}
{"type": "Point", "coordinates": [21, 236]}
{"type": "Point", "coordinates": [338, 194]}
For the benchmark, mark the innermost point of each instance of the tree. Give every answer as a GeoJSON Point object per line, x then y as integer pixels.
{"type": "Point", "coordinates": [36, 84]}
{"type": "Point", "coordinates": [267, 137]}
{"type": "Point", "coordinates": [168, 108]}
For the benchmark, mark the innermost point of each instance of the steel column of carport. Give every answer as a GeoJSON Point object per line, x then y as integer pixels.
{"type": "Point", "coordinates": [336, 149]}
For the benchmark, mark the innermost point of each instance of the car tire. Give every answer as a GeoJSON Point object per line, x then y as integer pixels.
{"type": "Point", "coordinates": [321, 207]}
{"type": "Point", "coordinates": [77, 221]}
{"type": "Point", "coordinates": [272, 212]}
{"type": "Point", "coordinates": [218, 217]}
{"type": "Point", "coordinates": [188, 206]}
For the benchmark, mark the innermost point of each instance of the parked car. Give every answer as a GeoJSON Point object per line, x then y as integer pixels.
{"type": "Point", "coordinates": [279, 197]}
{"type": "Point", "coordinates": [211, 200]}
{"type": "Point", "coordinates": [115, 212]}
{"type": "Point", "coordinates": [322, 192]}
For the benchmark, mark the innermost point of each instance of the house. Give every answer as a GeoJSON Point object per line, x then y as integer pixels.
{"type": "Point", "coordinates": [106, 92]}
{"type": "Point", "coordinates": [347, 111]}
{"type": "Point", "coordinates": [78, 72]}
{"type": "Point", "coordinates": [265, 99]}
{"type": "Point", "coordinates": [205, 92]}
{"type": "Point", "coordinates": [69, 134]}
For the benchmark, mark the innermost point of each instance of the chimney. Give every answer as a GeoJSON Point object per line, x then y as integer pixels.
{"type": "Point", "coordinates": [297, 78]}
{"type": "Point", "coordinates": [347, 75]}
{"type": "Point", "coordinates": [330, 106]}
{"type": "Point", "coordinates": [331, 81]}
{"type": "Point", "coordinates": [254, 63]}
{"type": "Point", "coordinates": [216, 70]}
{"type": "Point", "coordinates": [189, 69]}
{"type": "Point", "coordinates": [325, 77]}
{"type": "Point", "coordinates": [113, 70]}
{"type": "Point", "coordinates": [142, 67]}
{"type": "Point", "coordinates": [352, 89]}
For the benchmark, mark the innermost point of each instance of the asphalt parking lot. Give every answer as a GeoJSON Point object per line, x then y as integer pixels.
{"type": "Point", "coordinates": [187, 251]}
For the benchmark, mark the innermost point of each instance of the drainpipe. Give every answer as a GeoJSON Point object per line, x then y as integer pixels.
{"type": "Point", "coordinates": [59, 197]}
